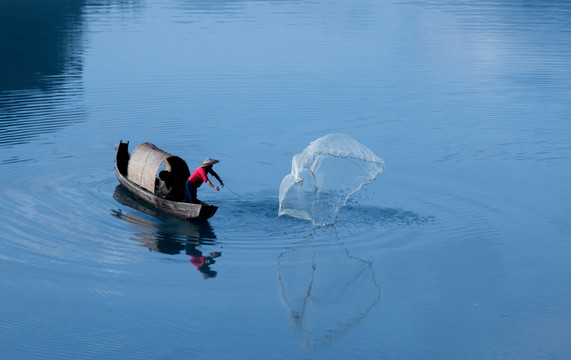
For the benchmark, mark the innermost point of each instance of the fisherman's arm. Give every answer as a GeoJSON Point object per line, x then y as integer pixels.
{"type": "Point", "coordinates": [216, 176]}
{"type": "Point", "coordinates": [212, 185]}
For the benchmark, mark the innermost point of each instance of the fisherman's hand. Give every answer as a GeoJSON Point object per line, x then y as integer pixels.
{"type": "Point", "coordinates": [216, 188]}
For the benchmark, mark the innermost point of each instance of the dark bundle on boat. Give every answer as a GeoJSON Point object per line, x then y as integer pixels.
{"type": "Point", "coordinates": [159, 179]}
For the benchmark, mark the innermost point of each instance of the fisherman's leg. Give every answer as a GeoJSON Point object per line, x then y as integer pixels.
{"type": "Point", "coordinates": [188, 192]}
{"type": "Point", "coordinates": [194, 199]}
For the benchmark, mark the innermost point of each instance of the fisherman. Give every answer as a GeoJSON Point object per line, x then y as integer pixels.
{"type": "Point", "coordinates": [199, 176]}
{"type": "Point", "coordinates": [164, 185]}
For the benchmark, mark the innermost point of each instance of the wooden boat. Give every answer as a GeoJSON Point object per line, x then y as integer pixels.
{"type": "Point", "coordinates": [148, 171]}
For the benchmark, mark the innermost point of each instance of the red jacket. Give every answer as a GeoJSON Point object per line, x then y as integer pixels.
{"type": "Point", "coordinates": [198, 177]}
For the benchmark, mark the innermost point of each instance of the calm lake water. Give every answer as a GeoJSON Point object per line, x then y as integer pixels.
{"type": "Point", "coordinates": [459, 250]}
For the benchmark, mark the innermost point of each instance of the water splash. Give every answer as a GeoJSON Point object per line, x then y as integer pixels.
{"type": "Point", "coordinates": [324, 176]}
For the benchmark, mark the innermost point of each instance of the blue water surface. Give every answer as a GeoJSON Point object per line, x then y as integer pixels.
{"type": "Point", "coordinates": [460, 249]}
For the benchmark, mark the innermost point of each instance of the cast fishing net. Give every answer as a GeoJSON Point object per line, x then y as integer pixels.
{"type": "Point", "coordinates": [324, 176]}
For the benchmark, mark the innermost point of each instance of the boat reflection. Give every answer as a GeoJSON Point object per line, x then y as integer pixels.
{"type": "Point", "coordinates": [326, 290]}
{"type": "Point", "coordinates": [169, 234]}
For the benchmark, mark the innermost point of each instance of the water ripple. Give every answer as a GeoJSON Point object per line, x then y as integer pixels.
{"type": "Point", "coordinates": [24, 115]}
{"type": "Point", "coordinates": [64, 218]}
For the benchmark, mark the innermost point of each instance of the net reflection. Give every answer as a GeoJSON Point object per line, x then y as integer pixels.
{"type": "Point", "coordinates": [168, 234]}
{"type": "Point", "coordinates": [325, 290]}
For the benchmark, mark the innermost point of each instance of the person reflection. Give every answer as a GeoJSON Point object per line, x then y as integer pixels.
{"type": "Point", "coordinates": [202, 262]}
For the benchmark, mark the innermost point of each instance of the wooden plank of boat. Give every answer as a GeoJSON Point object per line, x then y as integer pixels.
{"type": "Point", "coordinates": [137, 172]}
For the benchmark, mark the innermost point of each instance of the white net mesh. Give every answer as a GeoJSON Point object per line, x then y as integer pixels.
{"type": "Point", "coordinates": [324, 176]}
